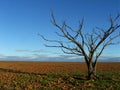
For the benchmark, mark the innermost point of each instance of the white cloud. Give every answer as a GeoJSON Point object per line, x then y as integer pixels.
{"type": "Point", "coordinates": [57, 58]}
{"type": "Point", "coordinates": [41, 57]}
{"type": "Point", "coordinates": [30, 51]}
{"type": "Point", "coordinates": [40, 51]}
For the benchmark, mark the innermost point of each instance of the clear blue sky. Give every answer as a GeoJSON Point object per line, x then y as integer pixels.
{"type": "Point", "coordinates": [21, 20]}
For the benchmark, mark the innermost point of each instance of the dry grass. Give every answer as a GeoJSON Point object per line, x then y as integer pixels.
{"type": "Point", "coordinates": [49, 76]}
{"type": "Point", "coordinates": [56, 67]}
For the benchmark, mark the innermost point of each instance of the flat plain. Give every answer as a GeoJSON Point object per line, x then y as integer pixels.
{"type": "Point", "coordinates": [16, 75]}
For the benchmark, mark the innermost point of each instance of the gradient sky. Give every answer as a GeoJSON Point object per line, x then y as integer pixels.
{"type": "Point", "coordinates": [22, 20]}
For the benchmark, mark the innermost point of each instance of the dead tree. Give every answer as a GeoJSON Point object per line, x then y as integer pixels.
{"type": "Point", "coordinates": [89, 45]}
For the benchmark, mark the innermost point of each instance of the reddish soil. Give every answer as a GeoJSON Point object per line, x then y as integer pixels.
{"type": "Point", "coordinates": [55, 67]}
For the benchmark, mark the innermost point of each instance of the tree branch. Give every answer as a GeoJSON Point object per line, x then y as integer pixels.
{"type": "Point", "coordinates": [85, 44]}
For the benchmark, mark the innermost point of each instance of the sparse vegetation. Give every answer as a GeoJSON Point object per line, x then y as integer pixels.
{"type": "Point", "coordinates": [90, 45]}
{"type": "Point", "coordinates": [11, 79]}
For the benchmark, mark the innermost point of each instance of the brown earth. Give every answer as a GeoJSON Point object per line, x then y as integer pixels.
{"type": "Point", "coordinates": [45, 76]}
{"type": "Point", "coordinates": [55, 67]}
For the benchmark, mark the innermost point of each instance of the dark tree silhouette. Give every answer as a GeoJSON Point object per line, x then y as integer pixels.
{"type": "Point", "coordinates": [89, 45]}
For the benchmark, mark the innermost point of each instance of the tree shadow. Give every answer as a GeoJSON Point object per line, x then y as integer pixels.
{"type": "Point", "coordinates": [80, 77]}
{"type": "Point", "coordinates": [20, 72]}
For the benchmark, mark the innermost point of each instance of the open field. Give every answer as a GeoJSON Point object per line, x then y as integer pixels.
{"type": "Point", "coordinates": [56, 76]}
{"type": "Point", "coordinates": [56, 67]}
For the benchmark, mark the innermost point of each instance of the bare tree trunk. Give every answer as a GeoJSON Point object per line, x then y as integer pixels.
{"type": "Point", "coordinates": [90, 44]}
{"type": "Point", "coordinates": [91, 71]}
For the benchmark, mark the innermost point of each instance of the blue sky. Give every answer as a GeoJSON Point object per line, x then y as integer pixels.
{"type": "Point", "coordinates": [21, 20]}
